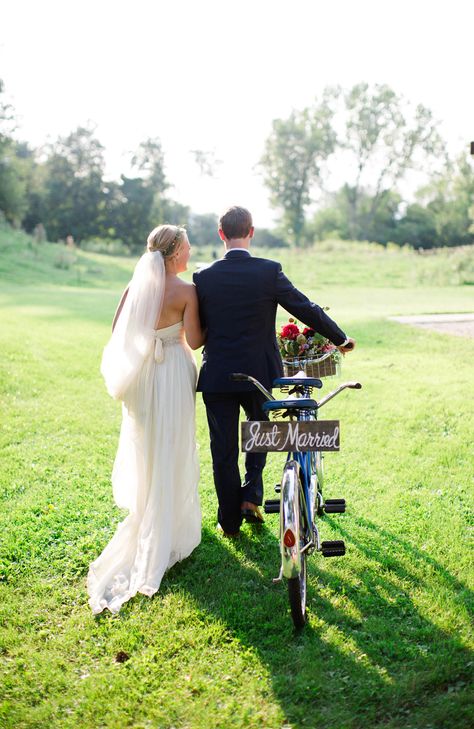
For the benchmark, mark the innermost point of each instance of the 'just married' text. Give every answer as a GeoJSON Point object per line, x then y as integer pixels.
{"type": "Point", "coordinates": [314, 435]}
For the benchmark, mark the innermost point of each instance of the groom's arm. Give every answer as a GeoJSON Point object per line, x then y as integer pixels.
{"type": "Point", "coordinates": [197, 283]}
{"type": "Point", "coordinates": [296, 303]}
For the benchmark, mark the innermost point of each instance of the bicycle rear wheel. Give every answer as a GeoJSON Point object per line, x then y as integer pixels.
{"type": "Point", "coordinates": [292, 515]}
{"type": "Point", "coordinates": [297, 596]}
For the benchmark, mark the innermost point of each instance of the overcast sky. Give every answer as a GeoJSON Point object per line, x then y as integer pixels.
{"type": "Point", "coordinates": [212, 75]}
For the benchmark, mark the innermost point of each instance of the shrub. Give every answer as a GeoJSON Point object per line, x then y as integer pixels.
{"type": "Point", "coordinates": [112, 246]}
{"type": "Point", "coordinates": [64, 260]}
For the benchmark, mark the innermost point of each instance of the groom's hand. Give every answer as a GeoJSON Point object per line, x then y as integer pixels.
{"type": "Point", "coordinates": [348, 346]}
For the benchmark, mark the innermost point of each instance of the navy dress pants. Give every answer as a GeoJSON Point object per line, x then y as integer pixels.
{"type": "Point", "coordinates": [223, 410]}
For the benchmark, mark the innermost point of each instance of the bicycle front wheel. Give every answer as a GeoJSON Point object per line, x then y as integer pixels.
{"type": "Point", "coordinates": [292, 525]}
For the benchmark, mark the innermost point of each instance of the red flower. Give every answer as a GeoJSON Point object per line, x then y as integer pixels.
{"type": "Point", "coordinates": [308, 332]}
{"type": "Point", "coordinates": [289, 331]}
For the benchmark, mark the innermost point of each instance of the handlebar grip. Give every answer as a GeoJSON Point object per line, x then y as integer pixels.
{"type": "Point", "coordinates": [238, 377]}
{"type": "Point", "coordinates": [349, 346]}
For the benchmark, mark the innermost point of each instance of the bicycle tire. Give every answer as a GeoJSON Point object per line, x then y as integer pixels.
{"type": "Point", "coordinates": [295, 512]}
{"type": "Point", "coordinates": [297, 596]}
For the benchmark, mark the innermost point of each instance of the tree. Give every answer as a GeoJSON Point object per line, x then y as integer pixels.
{"type": "Point", "coordinates": [149, 160]}
{"type": "Point", "coordinates": [268, 239]}
{"type": "Point", "coordinates": [330, 221]}
{"type": "Point", "coordinates": [202, 229]}
{"type": "Point", "coordinates": [384, 138]}
{"type": "Point", "coordinates": [449, 198]}
{"type": "Point", "coordinates": [13, 198]}
{"type": "Point", "coordinates": [141, 205]}
{"type": "Point", "coordinates": [133, 218]}
{"type": "Point", "coordinates": [333, 220]}
{"type": "Point", "coordinates": [206, 162]}
{"type": "Point", "coordinates": [13, 170]}
{"type": "Point", "coordinates": [33, 175]}
{"type": "Point", "coordinates": [292, 160]}
{"type": "Point", "coordinates": [165, 210]}
{"type": "Point", "coordinates": [74, 198]}
{"type": "Point", "coordinates": [416, 227]}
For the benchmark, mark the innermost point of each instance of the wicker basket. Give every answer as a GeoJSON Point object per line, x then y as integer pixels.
{"type": "Point", "coordinates": [311, 367]}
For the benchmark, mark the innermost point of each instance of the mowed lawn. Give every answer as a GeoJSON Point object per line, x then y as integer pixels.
{"type": "Point", "coordinates": [388, 641]}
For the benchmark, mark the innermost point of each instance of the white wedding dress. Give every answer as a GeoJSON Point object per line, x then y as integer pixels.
{"type": "Point", "coordinates": [155, 475]}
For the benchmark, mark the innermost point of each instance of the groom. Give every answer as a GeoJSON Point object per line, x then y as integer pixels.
{"type": "Point", "coordinates": [238, 298]}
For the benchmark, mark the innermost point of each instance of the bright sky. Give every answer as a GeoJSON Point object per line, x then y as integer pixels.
{"type": "Point", "coordinates": [213, 74]}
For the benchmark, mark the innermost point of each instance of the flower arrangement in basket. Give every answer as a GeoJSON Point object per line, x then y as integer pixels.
{"type": "Point", "coordinates": [307, 350]}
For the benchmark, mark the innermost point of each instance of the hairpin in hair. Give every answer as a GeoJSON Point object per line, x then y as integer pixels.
{"type": "Point", "coordinates": [173, 243]}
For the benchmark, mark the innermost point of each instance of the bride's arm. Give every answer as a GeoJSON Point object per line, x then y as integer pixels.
{"type": "Point", "coordinates": [192, 325]}
{"type": "Point", "coordinates": [119, 308]}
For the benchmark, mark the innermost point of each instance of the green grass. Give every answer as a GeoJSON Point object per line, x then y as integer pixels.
{"type": "Point", "coordinates": [388, 642]}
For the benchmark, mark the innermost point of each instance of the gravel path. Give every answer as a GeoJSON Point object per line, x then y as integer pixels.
{"type": "Point", "coordinates": [461, 325]}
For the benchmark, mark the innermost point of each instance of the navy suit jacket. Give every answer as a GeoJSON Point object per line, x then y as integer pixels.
{"type": "Point", "coordinates": [238, 298]}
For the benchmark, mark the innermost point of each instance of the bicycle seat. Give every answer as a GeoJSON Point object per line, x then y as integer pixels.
{"type": "Point", "coordinates": [308, 381]}
{"type": "Point", "coordinates": [299, 403]}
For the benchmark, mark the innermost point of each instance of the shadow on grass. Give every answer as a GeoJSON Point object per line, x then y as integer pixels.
{"type": "Point", "coordinates": [367, 655]}
{"type": "Point", "coordinates": [396, 552]}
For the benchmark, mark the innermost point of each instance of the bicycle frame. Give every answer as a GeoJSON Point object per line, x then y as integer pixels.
{"type": "Point", "coordinates": [301, 463]}
{"type": "Point", "coordinates": [301, 487]}
{"type": "Point", "coordinates": [310, 478]}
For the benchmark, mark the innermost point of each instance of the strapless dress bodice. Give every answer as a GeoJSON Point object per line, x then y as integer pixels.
{"type": "Point", "coordinates": [175, 331]}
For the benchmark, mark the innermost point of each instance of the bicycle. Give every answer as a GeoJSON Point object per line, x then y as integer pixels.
{"type": "Point", "coordinates": [301, 489]}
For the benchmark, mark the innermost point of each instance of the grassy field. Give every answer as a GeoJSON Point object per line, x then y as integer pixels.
{"type": "Point", "coordinates": [388, 643]}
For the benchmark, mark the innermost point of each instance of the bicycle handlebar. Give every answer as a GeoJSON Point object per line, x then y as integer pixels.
{"type": "Point", "coordinates": [329, 396]}
{"type": "Point", "coordinates": [240, 377]}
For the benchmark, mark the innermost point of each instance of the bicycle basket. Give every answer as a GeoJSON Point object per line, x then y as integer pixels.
{"type": "Point", "coordinates": [325, 366]}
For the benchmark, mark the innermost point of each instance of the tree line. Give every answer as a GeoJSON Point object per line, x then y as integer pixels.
{"type": "Point", "coordinates": [370, 133]}
{"type": "Point", "coordinates": [61, 191]}
{"type": "Point", "coordinates": [376, 138]}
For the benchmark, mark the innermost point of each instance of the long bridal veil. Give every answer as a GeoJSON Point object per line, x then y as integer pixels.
{"type": "Point", "coordinates": [133, 336]}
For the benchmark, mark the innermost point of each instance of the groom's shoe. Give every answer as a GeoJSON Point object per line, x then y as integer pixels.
{"type": "Point", "coordinates": [251, 513]}
{"type": "Point", "coordinates": [228, 535]}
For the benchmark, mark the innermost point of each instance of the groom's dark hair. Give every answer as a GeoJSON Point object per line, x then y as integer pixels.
{"type": "Point", "coordinates": [236, 222]}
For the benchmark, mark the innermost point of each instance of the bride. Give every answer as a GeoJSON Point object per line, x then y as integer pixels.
{"type": "Point", "coordinates": [148, 364]}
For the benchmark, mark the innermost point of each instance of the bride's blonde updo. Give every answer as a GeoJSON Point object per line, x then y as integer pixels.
{"type": "Point", "coordinates": [166, 239]}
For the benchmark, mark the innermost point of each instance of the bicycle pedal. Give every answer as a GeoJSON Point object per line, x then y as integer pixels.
{"type": "Point", "coordinates": [278, 488]}
{"type": "Point", "coordinates": [334, 506]}
{"type": "Point", "coordinates": [272, 506]}
{"type": "Point", "coordinates": [337, 548]}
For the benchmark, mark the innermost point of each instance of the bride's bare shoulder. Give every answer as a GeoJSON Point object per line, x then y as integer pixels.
{"type": "Point", "coordinates": [188, 289]}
